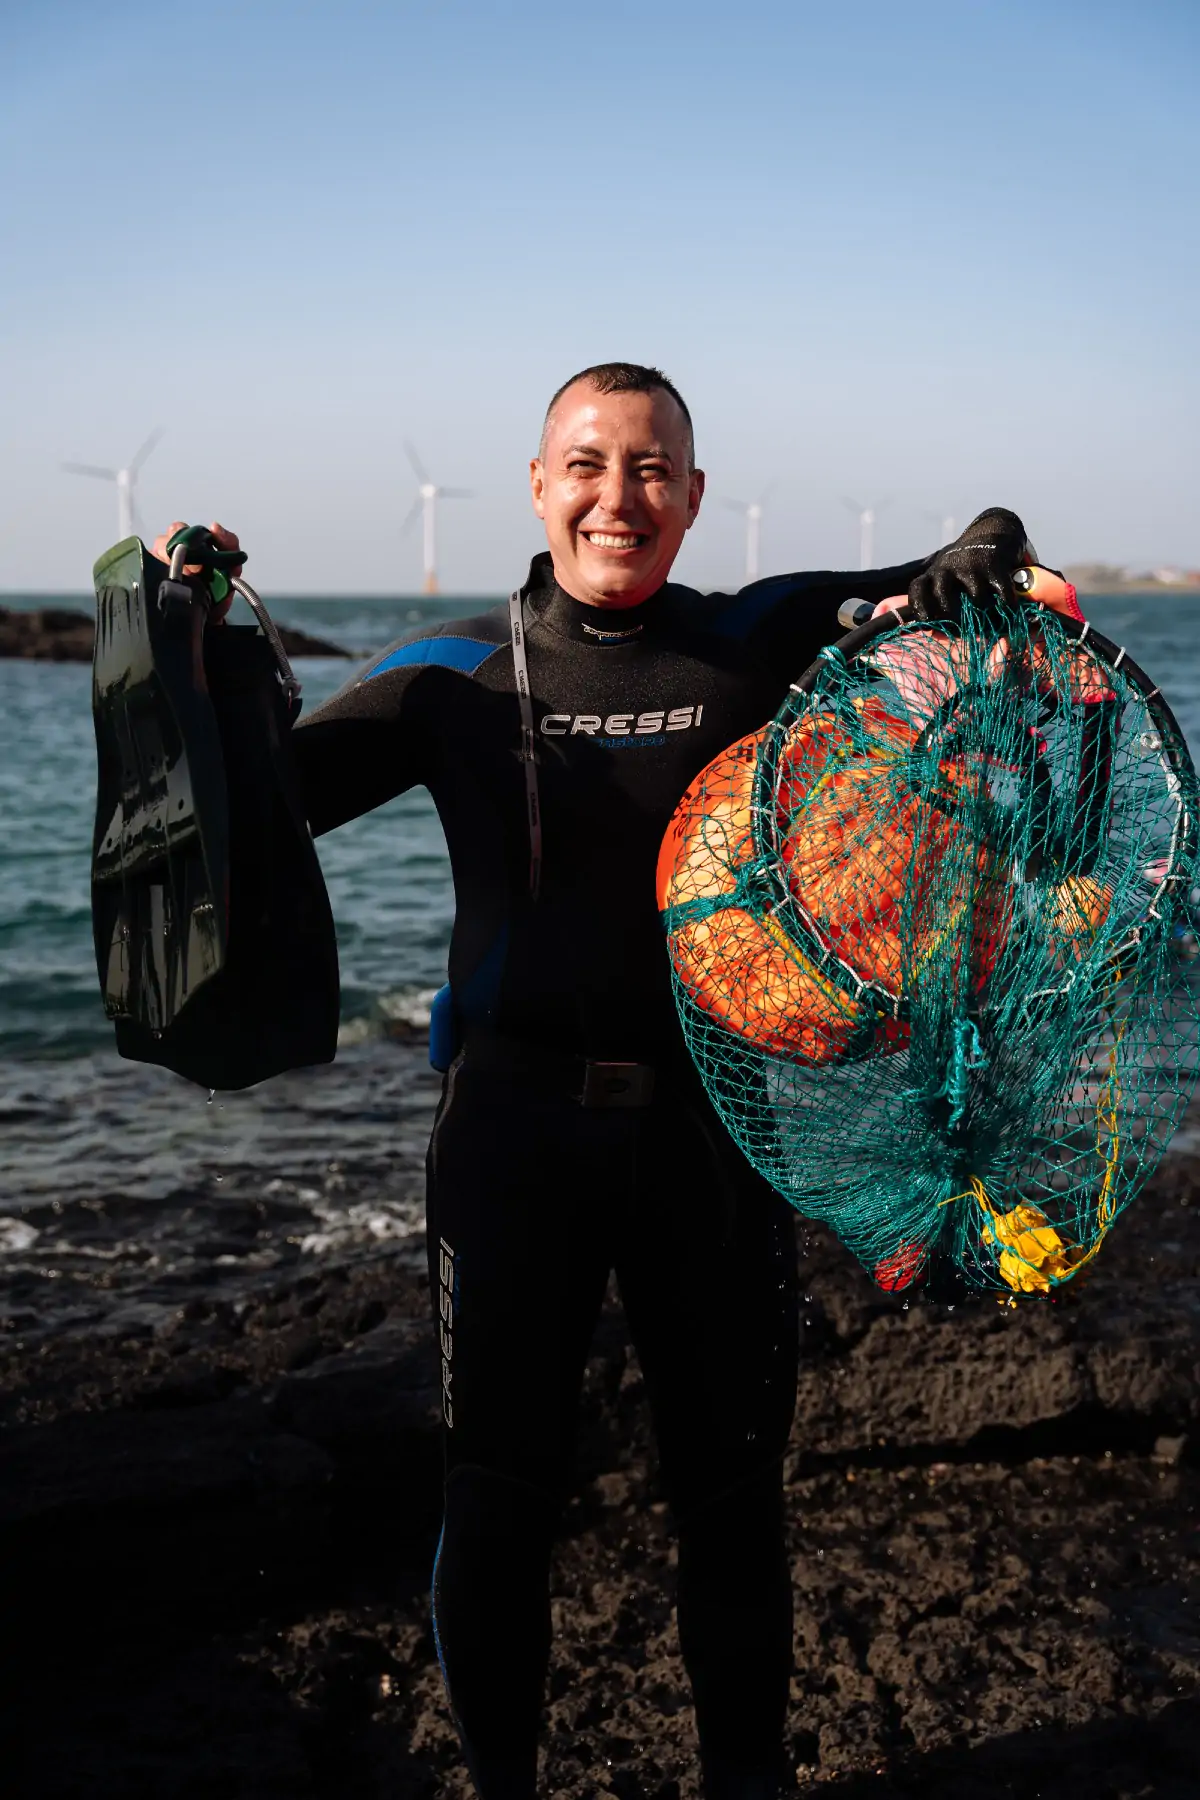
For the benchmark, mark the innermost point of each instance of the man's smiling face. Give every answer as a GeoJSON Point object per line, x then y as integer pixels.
{"type": "Point", "coordinates": [616, 490]}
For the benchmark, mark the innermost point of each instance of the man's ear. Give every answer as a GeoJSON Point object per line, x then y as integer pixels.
{"type": "Point", "coordinates": [537, 486]}
{"type": "Point", "coordinates": [695, 495]}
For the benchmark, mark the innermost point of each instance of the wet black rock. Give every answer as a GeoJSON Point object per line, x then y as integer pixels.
{"type": "Point", "coordinates": [53, 634]}
{"type": "Point", "coordinates": [218, 1523]}
{"type": "Point", "coordinates": [58, 634]}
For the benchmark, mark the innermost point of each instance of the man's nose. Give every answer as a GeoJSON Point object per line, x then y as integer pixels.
{"type": "Point", "coordinates": [616, 490]}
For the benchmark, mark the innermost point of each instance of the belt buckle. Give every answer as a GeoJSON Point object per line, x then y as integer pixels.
{"type": "Point", "coordinates": [617, 1084]}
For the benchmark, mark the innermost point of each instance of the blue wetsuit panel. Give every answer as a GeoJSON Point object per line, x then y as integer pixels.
{"type": "Point", "coordinates": [461, 653]}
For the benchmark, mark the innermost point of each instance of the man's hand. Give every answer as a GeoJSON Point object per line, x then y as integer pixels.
{"type": "Point", "coordinates": [981, 563]}
{"type": "Point", "coordinates": [226, 540]}
{"type": "Point", "coordinates": [1045, 587]}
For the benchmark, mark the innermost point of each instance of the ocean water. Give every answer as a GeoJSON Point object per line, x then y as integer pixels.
{"type": "Point", "coordinates": [71, 1112]}
{"type": "Point", "coordinates": [387, 874]}
{"type": "Point", "coordinates": [79, 1127]}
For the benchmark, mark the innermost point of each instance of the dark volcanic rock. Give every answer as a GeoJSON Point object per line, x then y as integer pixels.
{"type": "Point", "coordinates": [218, 1527]}
{"type": "Point", "coordinates": [301, 643]}
{"type": "Point", "coordinates": [56, 634]}
{"type": "Point", "coordinates": [365, 1398]}
{"type": "Point", "coordinates": [51, 635]}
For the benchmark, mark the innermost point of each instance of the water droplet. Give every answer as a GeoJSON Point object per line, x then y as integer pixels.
{"type": "Point", "coordinates": [212, 1094]}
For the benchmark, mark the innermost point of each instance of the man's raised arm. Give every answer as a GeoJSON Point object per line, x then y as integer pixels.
{"type": "Point", "coordinates": [795, 616]}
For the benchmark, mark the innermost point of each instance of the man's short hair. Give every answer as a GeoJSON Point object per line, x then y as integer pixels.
{"type": "Point", "coordinates": [623, 378]}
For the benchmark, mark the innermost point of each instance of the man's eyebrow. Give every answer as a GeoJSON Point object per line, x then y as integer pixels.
{"type": "Point", "coordinates": [655, 450]}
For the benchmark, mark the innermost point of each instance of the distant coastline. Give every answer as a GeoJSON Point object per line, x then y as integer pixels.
{"type": "Point", "coordinates": [1105, 578]}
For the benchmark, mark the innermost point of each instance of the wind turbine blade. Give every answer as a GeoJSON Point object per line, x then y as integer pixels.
{"type": "Point", "coordinates": [140, 456]}
{"type": "Point", "coordinates": [414, 513]}
{"type": "Point", "coordinates": [417, 465]}
{"type": "Point", "coordinates": [456, 493]}
{"type": "Point", "coordinates": [90, 469]}
{"type": "Point", "coordinates": [855, 507]}
{"type": "Point", "coordinates": [734, 505]}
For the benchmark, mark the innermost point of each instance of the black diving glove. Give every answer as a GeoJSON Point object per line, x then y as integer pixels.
{"type": "Point", "coordinates": [980, 563]}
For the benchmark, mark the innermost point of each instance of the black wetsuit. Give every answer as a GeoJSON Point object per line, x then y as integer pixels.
{"type": "Point", "coordinates": [533, 1196]}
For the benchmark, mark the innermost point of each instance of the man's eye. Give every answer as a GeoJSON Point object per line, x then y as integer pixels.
{"type": "Point", "coordinates": [654, 472]}
{"type": "Point", "coordinates": [580, 467]}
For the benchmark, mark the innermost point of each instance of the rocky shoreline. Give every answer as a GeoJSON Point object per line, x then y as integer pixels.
{"type": "Point", "coordinates": [218, 1520]}
{"type": "Point", "coordinates": [59, 634]}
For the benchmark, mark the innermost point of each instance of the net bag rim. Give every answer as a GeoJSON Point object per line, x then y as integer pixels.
{"type": "Point", "coordinates": [1176, 761]}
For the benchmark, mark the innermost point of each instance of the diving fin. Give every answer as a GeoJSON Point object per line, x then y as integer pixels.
{"type": "Point", "coordinates": [214, 938]}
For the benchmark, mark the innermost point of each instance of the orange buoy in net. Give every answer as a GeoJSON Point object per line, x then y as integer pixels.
{"type": "Point", "coordinates": [861, 866]}
{"type": "Point", "coordinates": [738, 966]}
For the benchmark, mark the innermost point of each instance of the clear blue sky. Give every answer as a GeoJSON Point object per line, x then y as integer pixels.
{"type": "Point", "coordinates": [942, 252]}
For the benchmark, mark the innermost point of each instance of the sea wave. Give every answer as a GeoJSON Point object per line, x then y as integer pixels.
{"type": "Point", "coordinates": [403, 1013]}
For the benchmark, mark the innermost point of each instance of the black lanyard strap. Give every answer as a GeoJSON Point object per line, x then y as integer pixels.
{"type": "Point", "coordinates": [516, 623]}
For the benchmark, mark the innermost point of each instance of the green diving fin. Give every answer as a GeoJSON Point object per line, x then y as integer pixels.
{"type": "Point", "coordinates": [214, 937]}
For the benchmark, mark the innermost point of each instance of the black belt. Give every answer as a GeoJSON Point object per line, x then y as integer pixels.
{"type": "Point", "coordinates": [590, 1083]}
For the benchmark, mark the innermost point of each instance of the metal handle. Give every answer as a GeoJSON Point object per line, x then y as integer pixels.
{"type": "Point", "coordinates": [195, 543]}
{"type": "Point", "coordinates": [290, 684]}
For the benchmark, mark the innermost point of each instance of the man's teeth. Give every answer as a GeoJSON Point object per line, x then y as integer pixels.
{"type": "Point", "coordinates": [607, 540]}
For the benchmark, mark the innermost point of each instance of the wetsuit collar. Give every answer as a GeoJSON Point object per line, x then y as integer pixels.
{"type": "Point", "coordinates": [604, 627]}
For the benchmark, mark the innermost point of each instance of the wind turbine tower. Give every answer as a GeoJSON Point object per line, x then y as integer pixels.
{"type": "Point", "coordinates": [426, 502]}
{"type": "Point", "coordinates": [945, 524]}
{"type": "Point", "coordinates": [752, 514]}
{"type": "Point", "coordinates": [126, 480]}
{"type": "Point", "coordinates": [866, 516]}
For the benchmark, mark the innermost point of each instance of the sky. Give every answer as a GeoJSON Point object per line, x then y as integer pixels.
{"type": "Point", "coordinates": [928, 256]}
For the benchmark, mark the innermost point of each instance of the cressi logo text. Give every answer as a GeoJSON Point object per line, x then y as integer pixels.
{"type": "Point", "coordinates": [446, 1326]}
{"type": "Point", "coordinates": [620, 724]}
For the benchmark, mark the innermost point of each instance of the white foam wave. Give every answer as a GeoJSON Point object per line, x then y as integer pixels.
{"type": "Point", "coordinates": [402, 1013]}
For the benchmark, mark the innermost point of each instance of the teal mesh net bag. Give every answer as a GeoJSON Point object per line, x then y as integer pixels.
{"type": "Point", "coordinates": [931, 945]}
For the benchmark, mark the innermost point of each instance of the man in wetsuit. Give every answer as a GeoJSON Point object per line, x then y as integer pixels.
{"type": "Point", "coordinates": [574, 1137]}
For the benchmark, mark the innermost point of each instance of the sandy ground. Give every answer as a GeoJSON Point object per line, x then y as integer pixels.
{"type": "Point", "coordinates": [219, 1503]}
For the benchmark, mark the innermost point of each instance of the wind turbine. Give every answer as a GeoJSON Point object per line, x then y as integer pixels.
{"type": "Point", "coordinates": [945, 523]}
{"type": "Point", "coordinates": [866, 516]}
{"type": "Point", "coordinates": [126, 480]}
{"type": "Point", "coordinates": [425, 503]}
{"type": "Point", "coordinates": [752, 513]}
